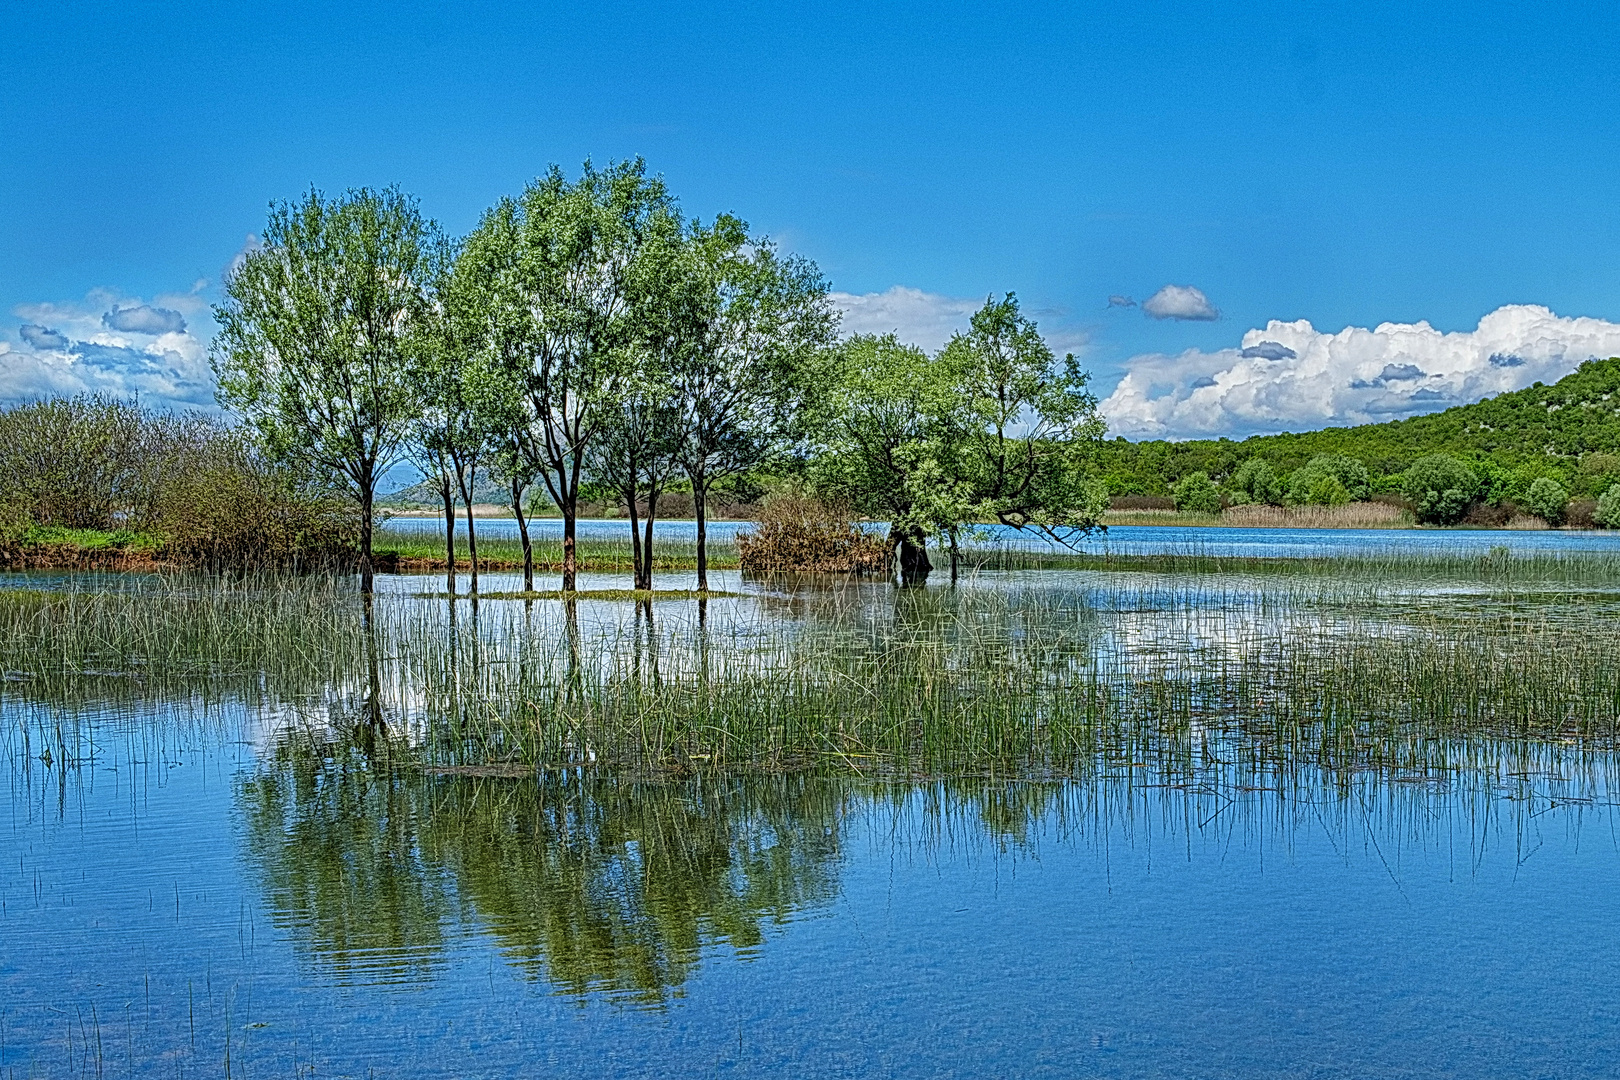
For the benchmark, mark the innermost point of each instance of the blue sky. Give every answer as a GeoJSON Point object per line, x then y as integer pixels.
{"type": "Point", "coordinates": [1349, 165]}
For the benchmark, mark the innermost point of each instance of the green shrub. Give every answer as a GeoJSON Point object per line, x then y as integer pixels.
{"type": "Point", "coordinates": [1196, 494]}
{"type": "Point", "coordinates": [1328, 491]}
{"type": "Point", "coordinates": [1546, 498]}
{"type": "Point", "coordinates": [1350, 473]}
{"type": "Point", "coordinates": [1607, 513]}
{"type": "Point", "coordinates": [1441, 489]}
{"type": "Point", "coordinates": [1256, 482]}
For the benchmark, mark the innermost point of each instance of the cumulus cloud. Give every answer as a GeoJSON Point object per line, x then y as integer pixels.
{"type": "Point", "coordinates": [1289, 376]}
{"type": "Point", "coordinates": [144, 319]}
{"type": "Point", "coordinates": [918, 318]}
{"type": "Point", "coordinates": [110, 344]}
{"type": "Point", "coordinates": [41, 337]}
{"type": "Point", "coordinates": [1121, 301]}
{"type": "Point", "coordinates": [1180, 302]}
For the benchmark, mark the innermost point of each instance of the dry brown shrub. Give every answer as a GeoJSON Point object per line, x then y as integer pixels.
{"type": "Point", "coordinates": [802, 534]}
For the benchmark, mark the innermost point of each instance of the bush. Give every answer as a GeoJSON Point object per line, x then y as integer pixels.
{"type": "Point", "coordinates": [1196, 494]}
{"type": "Point", "coordinates": [797, 532]}
{"type": "Point", "coordinates": [1328, 491]}
{"type": "Point", "coordinates": [201, 488]}
{"type": "Point", "coordinates": [1546, 499]}
{"type": "Point", "coordinates": [1441, 489]}
{"type": "Point", "coordinates": [1256, 482]}
{"type": "Point", "coordinates": [1350, 473]}
{"type": "Point", "coordinates": [1607, 513]}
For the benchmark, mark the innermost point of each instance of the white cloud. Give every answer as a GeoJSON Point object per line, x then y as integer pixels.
{"type": "Point", "coordinates": [918, 318]}
{"type": "Point", "coordinates": [1180, 302]}
{"type": "Point", "coordinates": [110, 344]}
{"type": "Point", "coordinates": [1290, 376]}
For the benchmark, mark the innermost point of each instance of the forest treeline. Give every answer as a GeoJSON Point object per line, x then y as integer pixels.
{"type": "Point", "coordinates": [1567, 433]}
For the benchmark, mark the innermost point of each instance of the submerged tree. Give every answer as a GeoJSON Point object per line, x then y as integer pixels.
{"type": "Point", "coordinates": [562, 311]}
{"type": "Point", "coordinates": [1023, 427]}
{"type": "Point", "coordinates": [992, 429]}
{"type": "Point", "coordinates": [758, 322]}
{"type": "Point", "coordinates": [315, 336]}
{"type": "Point", "coordinates": [878, 443]}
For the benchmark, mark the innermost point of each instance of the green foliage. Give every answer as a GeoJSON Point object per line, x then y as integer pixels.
{"type": "Point", "coordinates": [1256, 482]}
{"type": "Point", "coordinates": [317, 331]}
{"type": "Point", "coordinates": [81, 462]}
{"type": "Point", "coordinates": [993, 428]}
{"type": "Point", "coordinates": [1328, 491]}
{"type": "Point", "coordinates": [1441, 489]}
{"type": "Point", "coordinates": [1196, 494]}
{"type": "Point", "coordinates": [1608, 507]}
{"type": "Point", "coordinates": [1328, 480]}
{"type": "Point", "coordinates": [1546, 498]}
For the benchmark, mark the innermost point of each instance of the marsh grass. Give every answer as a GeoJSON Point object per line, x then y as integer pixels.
{"type": "Point", "coordinates": [1401, 667]}
{"type": "Point", "coordinates": [153, 636]}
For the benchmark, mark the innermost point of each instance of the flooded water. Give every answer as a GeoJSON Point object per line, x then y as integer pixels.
{"type": "Point", "coordinates": [1126, 539]}
{"type": "Point", "coordinates": [192, 885]}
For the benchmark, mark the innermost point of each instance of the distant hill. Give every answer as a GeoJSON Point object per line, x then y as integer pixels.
{"type": "Point", "coordinates": [1569, 431]}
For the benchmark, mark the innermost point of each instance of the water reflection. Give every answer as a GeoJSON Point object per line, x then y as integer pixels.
{"type": "Point", "coordinates": [593, 883]}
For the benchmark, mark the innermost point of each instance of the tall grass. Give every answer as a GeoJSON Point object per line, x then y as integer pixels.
{"type": "Point", "coordinates": [1031, 676]}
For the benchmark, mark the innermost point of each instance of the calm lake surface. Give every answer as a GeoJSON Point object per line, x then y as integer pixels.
{"type": "Point", "coordinates": [1121, 539]}
{"type": "Point", "coordinates": [184, 891]}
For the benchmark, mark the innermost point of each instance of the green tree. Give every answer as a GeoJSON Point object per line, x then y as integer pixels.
{"type": "Point", "coordinates": [759, 322]}
{"type": "Point", "coordinates": [1546, 498]}
{"type": "Point", "coordinates": [1607, 513]}
{"type": "Point", "coordinates": [1256, 482]}
{"type": "Point", "coordinates": [877, 442]}
{"type": "Point", "coordinates": [1196, 494]}
{"type": "Point", "coordinates": [1350, 473]}
{"type": "Point", "coordinates": [315, 335]}
{"type": "Point", "coordinates": [563, 305]}
{"type": "Point", "coordinates": [1441, 488]}
{"type": "Point", "coordinates": [1020, 427]}
{"type": "Point", "coordinates": [993, 428]}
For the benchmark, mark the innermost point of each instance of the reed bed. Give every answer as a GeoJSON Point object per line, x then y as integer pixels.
{"type": "Point", "coordinates": [1401, 670]}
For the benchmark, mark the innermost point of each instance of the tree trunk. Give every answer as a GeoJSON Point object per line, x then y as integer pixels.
{"type": "Point", "coordinates": [466, 479]}
{"type": "Point", "coordinates": [700, 498]}
{"type": "Point", "coordinates": [629, 494]}
{"type": "Point", "coordinates": [472, 546]}
{"type": "Point", "coordinates": [954, 554]}
{"type": "Point", "coordinates": [523, 534]}
{"type": "Point", "coordinates": [914, 561]}
{"type": "Point", "coordinates": [647, 546]}
{"type": "Point", "coordinates": [367, 493]}
{"type": "Point", "coordinates": [449, 535]}
{"type": "Point", "coordinates": [570, 566]}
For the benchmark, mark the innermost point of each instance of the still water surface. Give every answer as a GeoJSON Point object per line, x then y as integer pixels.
{"type": "Point", "coordinates": [196, 893]}
{"type": "Point", "coordinates": [1124, 539]}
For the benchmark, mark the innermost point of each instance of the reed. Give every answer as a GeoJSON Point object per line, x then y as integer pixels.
{"type": "Point", "coordinates": [1396, 669]}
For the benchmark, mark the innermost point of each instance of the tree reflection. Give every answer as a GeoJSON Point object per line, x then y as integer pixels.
{"type": "Point", "coordinates": [594, 883]}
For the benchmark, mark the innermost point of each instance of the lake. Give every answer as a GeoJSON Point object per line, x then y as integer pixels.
{"type": "Point", "coordinates": [211, 865]}
{"type": "Point", "coordinates": [1119, 539]}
